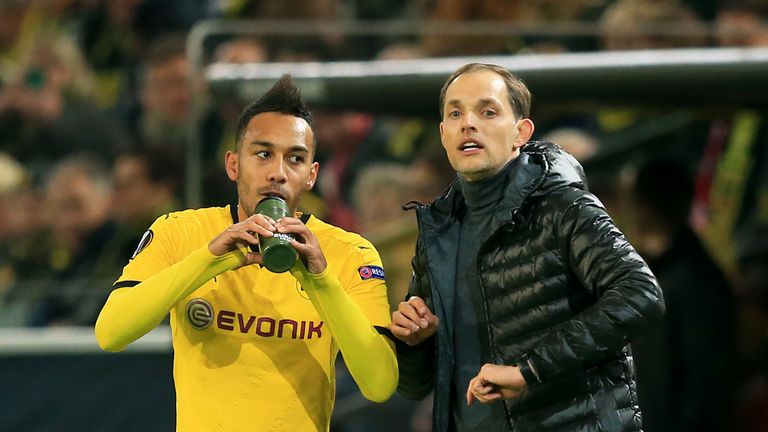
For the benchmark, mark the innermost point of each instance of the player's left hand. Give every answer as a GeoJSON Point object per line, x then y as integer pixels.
{"type": "Point", "coordinates": [305, 243]}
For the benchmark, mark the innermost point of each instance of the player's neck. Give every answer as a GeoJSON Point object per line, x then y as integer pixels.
{"type": "Point", "coordinates": [241, 215]}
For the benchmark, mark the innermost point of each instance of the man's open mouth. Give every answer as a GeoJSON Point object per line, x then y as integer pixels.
{"type": "Point", "coordinates": [470, 144]}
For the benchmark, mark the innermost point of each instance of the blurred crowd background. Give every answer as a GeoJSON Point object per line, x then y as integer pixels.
{"type": "Point", "coordinates": [95, 109]}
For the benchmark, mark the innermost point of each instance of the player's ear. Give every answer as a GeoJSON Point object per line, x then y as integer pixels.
{"type": "Point", "coordinates": [312, 176]}
{"type": "Point", "coordinates": [230, 164]}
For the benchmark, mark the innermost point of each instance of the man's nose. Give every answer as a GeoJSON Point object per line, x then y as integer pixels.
{"type": "Point", "coordinates": [276, 172]}
{"type": "Point", "coordinates": [468, 122]}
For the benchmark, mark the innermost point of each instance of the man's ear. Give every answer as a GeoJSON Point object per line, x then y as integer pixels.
{"type": "Point", "coordinates": [313, 170]}
{"type": "Point", "coordinates": [525, 129]}
{"type": "Point", "coordinates": [230, 165]}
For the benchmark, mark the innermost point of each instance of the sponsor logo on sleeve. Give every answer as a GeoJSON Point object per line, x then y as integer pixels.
{"type": "Point", "coordinates": [146, 239]}
{"type": "Point", "coordinates": [371, 272]}
{"type": "Point", "coordinates": [199, 313]}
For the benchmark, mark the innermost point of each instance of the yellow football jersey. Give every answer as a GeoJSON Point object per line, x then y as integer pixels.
{"type": "Point", "coordinates": [250, 351]}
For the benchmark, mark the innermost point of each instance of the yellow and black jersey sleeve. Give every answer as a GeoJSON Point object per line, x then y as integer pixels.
{"type": "Point", "coordinates": [363, 278]}
{"type": "Point", "coordinates": [352, 300]}
{"type": "Point", "coordinates": [154, 253]}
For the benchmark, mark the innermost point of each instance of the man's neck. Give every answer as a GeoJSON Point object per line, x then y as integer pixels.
{"type": "Point", "coordinates": [485, 193]}
{"type": "Point", "coordinates": [241, 215]}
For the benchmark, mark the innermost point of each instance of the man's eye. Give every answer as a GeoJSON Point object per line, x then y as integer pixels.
{"type": "Point", "coordinates": [454, 114]}
{"type": "Point", "coordinates": [262, 154]}
{"type": "Point", "coordinates": [489, 113]}
{"type": "Point", "coordinates": [296, 159]}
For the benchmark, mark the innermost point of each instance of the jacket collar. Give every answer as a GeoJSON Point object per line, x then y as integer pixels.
{"type": "Point", "coordinates": [450, 206]}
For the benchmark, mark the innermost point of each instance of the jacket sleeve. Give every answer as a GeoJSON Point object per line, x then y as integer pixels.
{"type": "Point", "coordinates": [416, 364]}
{"type": "Point", "coordinates": [628, 297]}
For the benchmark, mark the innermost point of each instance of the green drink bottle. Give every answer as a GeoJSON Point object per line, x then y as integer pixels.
{"type": "Point", "coordinates": [277, 254]}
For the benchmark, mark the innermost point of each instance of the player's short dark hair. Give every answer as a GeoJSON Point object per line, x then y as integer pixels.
{"type": "Point", "coordinates": [517, 92]}
{"type": "Point", "coordinates": [284, 98]}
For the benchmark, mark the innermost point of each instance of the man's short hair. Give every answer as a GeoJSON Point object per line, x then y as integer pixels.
{"type": "Point", "coordinates": [517, 92]}
{"type": "Point", "coordinates": [284, 98]}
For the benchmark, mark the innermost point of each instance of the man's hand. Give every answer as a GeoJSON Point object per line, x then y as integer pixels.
{"type": "Point", "coordinates": [241, 235]}
{"type": "Point", "coordinates": [413, 322]}
{"type": "Point", "coordinates": [496, 382]}
{"type": "Point", "coordinates": [305, 242]}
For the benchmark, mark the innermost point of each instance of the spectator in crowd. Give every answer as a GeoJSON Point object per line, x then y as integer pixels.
{"type": "Point", "coordinates": [637, 24]}
{"type": "Point", "coordinates": [22, 243]}
{"type": "Point", "coordinates": [116, 35]}
{"type": "Point", "coordinates": [324, 45]}
{"type": "Point", "coordinates": [164, 118]}
{"type": "Point", "coordinates": [242, 50]}
{"type": "Point", "coordinates": [732, 174]}
{"type": "Point", "coordinates": [112, 42]}
{"type": "Point", "coordinates": [45, 110]}
{"type": "Point", "coordinates": [30, 23]}
{"type": "Point", "coordinates": [145, 186]}
{"type": "Point", "coordinates": [11, 40]}
{"type": "Point", "coordinates": [694, 348]}
{"type": "Point", "coordinates": [752, 298]}
{"type": "Point", "coordinates": [431, 173]}
{"type": "Point", "coordinates": [83, 253]}
{"type": "Point", "coordinates": [741, 23]}
{"type": "Point", "coordinates": [463, 11]}
{"type": "Point", "coordinates": [13, 178]}
{"type": "Point", "coordinates": [347, 142]}
{"type": "Point", "coordinates": [165, 96]}
{"type": "Point", "coordinates": [576, 142]}
{"type": "Point", "coordinates": [379, 193]}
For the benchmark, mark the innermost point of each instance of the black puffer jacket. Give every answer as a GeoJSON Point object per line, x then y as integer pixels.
{"type": "Point", "coordinates": [562, 294]}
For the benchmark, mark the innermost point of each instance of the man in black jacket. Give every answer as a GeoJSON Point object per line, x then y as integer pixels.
{"type": "Point", "coordinates": [523, 289]}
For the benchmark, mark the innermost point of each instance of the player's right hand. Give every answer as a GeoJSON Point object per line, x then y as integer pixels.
{"type": "Point", "coordinates": [413, 322]}
{"type": "Point", "coordinates": [241, 235]}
